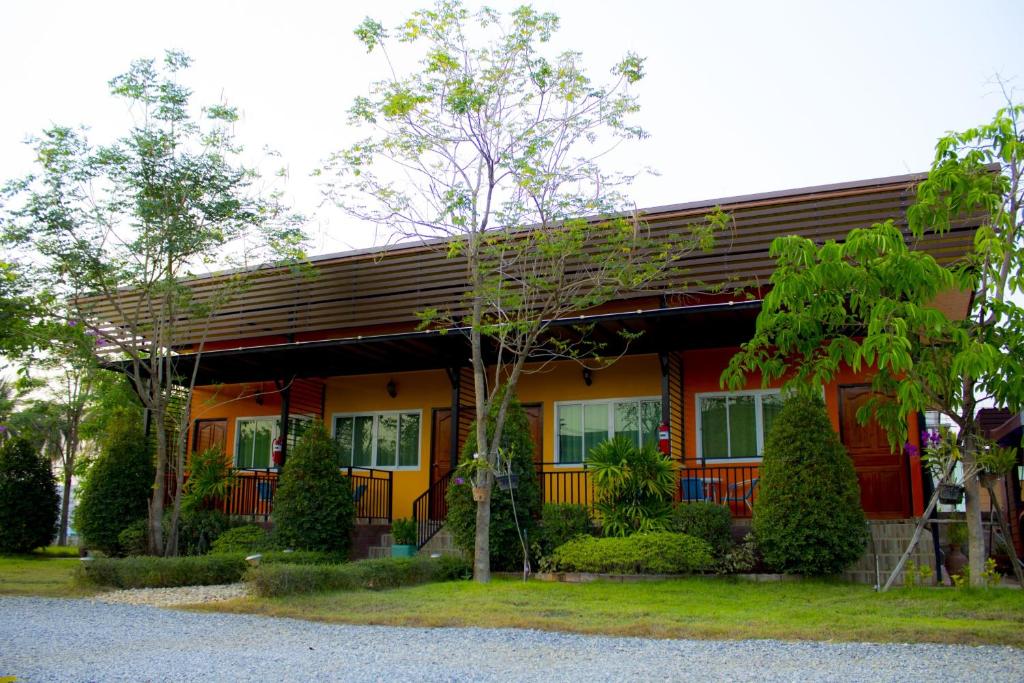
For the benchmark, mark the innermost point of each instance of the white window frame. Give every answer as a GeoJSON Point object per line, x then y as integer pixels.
{"type": "Point", "coordinates": [275, 432]}
{"type": "Point", "coordinates": [758, 422]}
{"type": "Point", "coordinates": [611, 421]}
{"type": "Point", "coordinates": [376, 415]}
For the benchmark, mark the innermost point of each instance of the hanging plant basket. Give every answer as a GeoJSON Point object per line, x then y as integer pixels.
{"type": "Point", "coordinates": [507, 481]}
{"type": "Point", "coordinates": [951, 494]}
{"type": "Point", "coordinates": [479, 493]}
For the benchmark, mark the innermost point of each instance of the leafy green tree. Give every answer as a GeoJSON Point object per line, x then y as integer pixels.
{"type": "Point", "coordinates": [116, 491]}
{"type": "Point", "coordinates": [512, 512]}
{"type": "Point", "coordinates": [313, 506]}
{"type": "Point", "coordinates": [28, 498]}
{"type": "Point", "coordinates": [494, 133]}
{"type": "Point", "coordinates": [633, 486]}
{"type": "Point", "coordinates": [807, 517]}
{"type": "Point", "coordinates": [868, 303]}
{"type": "Point", "coordinates": [115, 231]}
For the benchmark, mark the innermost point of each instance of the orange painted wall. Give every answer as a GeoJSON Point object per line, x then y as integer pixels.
{"type": "Point", "coordinates": [702, 370]}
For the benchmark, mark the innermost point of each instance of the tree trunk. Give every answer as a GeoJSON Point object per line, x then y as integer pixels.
{"type": "Point", "coordinates": [156, 503]}
{"type": "Point", "coordinates": [482, 543]}
{"type": "Point", "coordinates": [975, 532]}
{"type": "Point", "coordinates": [65, 507]}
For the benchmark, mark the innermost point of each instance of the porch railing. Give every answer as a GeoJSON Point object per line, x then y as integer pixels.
{"type": "Point", "coordinates": [253, 492]}
{"type": "Point", "coordinates": [565, 485]}
{"type": "Point", "coordinates": [430, 509]}
{"type": "Point", "coordinates": [732, 485]}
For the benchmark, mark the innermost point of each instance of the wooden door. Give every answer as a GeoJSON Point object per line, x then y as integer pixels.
{"type": "Point", "coordinates": [440, 447]}
{"type": "Point", "coordinates": [882, 473]}
{"type": "Point", "coordinates": [441, 444]}
{"type": "Point", "coordinates": [210, 433]}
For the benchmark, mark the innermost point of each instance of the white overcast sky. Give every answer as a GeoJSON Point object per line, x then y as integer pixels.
{"type": "Point", "coordinates": [740, 97]}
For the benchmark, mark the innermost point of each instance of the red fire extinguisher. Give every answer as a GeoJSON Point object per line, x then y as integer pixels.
{"type": "Point", "coordinates": [278, 443]}
{"type": "Point", "coordinates": [664, 444]}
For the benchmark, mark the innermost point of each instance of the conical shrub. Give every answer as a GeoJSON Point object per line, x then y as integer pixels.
{"type": "Point", "coordinates": [807, 516]}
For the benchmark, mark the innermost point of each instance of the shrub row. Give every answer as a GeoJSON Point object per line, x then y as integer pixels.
{"type": "Point", "coordinates": [271, 580]}
{"type": "Point", "coordinates": [161, 572]}
{"type": "Point", "coordinates": [653, 553]}
{"type": "Point", "coordinates": [166, 572]}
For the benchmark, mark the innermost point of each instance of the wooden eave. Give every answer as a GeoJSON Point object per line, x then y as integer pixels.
{"type": "Point", "coordinates": [386, 287]}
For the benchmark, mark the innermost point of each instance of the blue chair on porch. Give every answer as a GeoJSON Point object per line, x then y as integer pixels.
{"type": "Point", "coordinates": [358, 493]}
{"type": "Point", "coordinates": [741, 492]}
{"type": "Point", "coordinates": [692, 489]}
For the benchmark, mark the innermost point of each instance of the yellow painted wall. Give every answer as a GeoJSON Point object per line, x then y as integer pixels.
{"type": "Point", "coordinates": [420, 391]}
{"type": "Point", "coordinates": [629, 377]}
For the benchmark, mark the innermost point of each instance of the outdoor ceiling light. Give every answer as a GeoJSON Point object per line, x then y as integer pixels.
{"type": "Point", "coordinates": [588, 376]}
{"type": "Point", "coordinates": [392, 388]}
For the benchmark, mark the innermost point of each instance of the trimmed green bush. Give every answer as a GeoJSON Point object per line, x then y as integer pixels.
{"type": "Point", "coordinates": [560, 523]}
{"type": "Point", "coordinates": [247, 539]}
{"type": "Point", "coordinates": [707, 520]}
{"type": "Point", "coordinates": [506, 549]}
{"type": "Point", "coordinates": [807, 517]}
{"type": "Point", "coordinates": [313, 507]}
{"type": "Point", "coordinates": [28, 499]}
{"type": "Point", "coordinates": [162, 572]}
{"type": "Point", "coordinates": [272, 580]}
{"type": "Point", "coordinates": [645, 553]}
{"type": "Point", "coordinates": [116, 491]}
{"type": "Point", "coordinates": [633, 487]}
{"type": "Point", "coordinates": [165, 572]}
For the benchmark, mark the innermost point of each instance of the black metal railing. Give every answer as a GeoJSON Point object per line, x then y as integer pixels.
{"type": "Point", "coordinates": [253, 491]}
{"type": "Point", "coordinates": [373, 492]}
{"type": "Point", "coordinates": [430, 509]}
{"type": "Point", "coordinates": [565, 485]}
{"type": "Point", "coordinates": [732, 485]}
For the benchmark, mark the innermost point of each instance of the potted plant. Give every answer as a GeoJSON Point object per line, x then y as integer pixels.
{"type": "Point", "coordinates": [404, 533]}
{"type": "Point", "coordinates": [941, 455]}
{"type": "Point", "coordinates": [956, 535]}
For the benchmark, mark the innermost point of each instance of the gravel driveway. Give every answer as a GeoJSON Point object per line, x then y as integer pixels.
{"type": "Point", "coordinates": [79, 640]}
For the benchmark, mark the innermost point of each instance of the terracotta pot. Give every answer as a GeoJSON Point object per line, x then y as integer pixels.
{"type": "Point", "coordinates": [955, 560]}
{"type": "Point", "coordinates": [479, 493]}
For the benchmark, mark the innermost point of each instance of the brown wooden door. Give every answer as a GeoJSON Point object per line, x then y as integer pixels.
{"type": "Point", "coordinates": [441, 444]}
{"type": "Point", "coordinates": [210, 433]}
{"type": "Point", "coordinates": [440, 447]}
{"type": "Point", "coordinates": [882, 473]}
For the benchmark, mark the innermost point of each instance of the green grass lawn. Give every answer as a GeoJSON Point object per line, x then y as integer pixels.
{"type": "Point", "coordinates": [685, 608]}
{"type": "Point", "coordinates": [48, 572]}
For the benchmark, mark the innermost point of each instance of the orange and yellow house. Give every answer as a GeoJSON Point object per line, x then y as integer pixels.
{"type": "Point", "coordinates": [344, 347]}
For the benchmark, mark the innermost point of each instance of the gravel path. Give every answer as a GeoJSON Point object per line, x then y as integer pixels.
{"type": "Point", "coordinates": [79, 640]}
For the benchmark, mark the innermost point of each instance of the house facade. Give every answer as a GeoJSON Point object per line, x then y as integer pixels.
{"type": "Point", "coordinates": [343, 347]}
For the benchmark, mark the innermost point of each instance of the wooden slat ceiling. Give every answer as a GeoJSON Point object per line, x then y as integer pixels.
{"type": "Point", "coordinates": [361, 290]}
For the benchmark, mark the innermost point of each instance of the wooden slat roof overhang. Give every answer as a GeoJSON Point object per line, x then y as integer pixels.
{"type": "Point", "coordinates": [366, 301]}
{"type": "Point", "coordinates": [661, 329]}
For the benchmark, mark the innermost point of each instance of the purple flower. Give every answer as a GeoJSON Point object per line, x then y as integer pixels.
{"type": "Point", "coordinates": [460, 480]}
{"type": "Point", "coordinates": [911, 449]}
{"type": "Point", "coordinates": [2, 429]}
{"type": "Point", "coordinates": [72, 323]}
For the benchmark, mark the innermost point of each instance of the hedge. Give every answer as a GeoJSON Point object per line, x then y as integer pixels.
{"type": "Point", "coordinates": [272, 580]}
{"type": "Point", "coordinates": [704, 519]}
{"type": "Point", "coordinates": [166, 572]}
{"type": "Point", "coordinates": [653, 553]}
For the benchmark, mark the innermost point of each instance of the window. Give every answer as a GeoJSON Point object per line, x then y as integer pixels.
{"type": "Point", "coordinates": [734, 425]}
{"type": "Point", "coordinates": [581, 426]}
{"type": "Point", "coordinates": [255, 439]}
{"type": "Point", "coordinates": [390, 440]}
{"type": "Point", "coordinates": [256, 435]}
